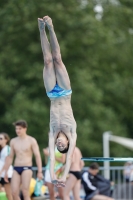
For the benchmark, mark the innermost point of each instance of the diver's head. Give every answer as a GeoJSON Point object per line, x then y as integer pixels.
{"type": "Point", "coordinates": [62, 143]}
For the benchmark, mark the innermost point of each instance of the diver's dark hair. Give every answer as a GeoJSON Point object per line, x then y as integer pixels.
{"type": "Point", "coordinates": [65, 150]}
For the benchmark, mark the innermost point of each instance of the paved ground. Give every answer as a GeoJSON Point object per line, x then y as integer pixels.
{"type": "Point", "coordinates": [82, 195]}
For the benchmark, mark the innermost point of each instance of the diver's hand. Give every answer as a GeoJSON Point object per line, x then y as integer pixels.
{"type": "Point", "coordinates": [55, 181]}
{"type": "Point", "coordinates": [59, 182]}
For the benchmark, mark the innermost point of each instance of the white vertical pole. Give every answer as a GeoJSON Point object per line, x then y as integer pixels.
{"type": "Point", "coordinates": [106, 153]}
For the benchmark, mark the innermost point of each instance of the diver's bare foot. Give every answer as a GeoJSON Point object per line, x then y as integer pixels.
{"type": "Point", "coordinates": [41, 24]}
{"type": "Point", "coordinates": [48, 22]}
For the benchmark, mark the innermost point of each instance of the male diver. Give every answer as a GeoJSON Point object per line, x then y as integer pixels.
{"type": "Point", "coordinates": [56, 80]}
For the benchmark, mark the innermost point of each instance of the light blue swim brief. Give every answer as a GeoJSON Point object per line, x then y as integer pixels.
{"type": "Point", "coordinates": [58, 92]}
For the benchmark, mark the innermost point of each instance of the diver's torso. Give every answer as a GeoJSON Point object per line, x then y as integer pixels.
{"type": "Point", "coordinates": [61, 113]}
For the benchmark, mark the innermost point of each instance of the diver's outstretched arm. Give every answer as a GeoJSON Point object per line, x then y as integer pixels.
{"type": "Point", "coordinates": [72, 144]}
{"type": "Point", "coordinates": [52, 155]}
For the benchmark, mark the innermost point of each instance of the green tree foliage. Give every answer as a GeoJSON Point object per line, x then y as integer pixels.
{"type": "Point", "coordinates": [98, 55]}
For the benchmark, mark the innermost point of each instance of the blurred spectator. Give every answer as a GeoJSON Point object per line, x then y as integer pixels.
{"type": "Point", "coordinates": [127, 172]}
{"type": "Point", "coordinates": [96, 186]}
{"type": "Point", "coordinates": [73, 182]}
{"type": "Point", "coordinates": [23, 147]}
{"type": "Point", "coordinates": [4, 152]}
{"type": "Point", "coordinates": [60, 160]}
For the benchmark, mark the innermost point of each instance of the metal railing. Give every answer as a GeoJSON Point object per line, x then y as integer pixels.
{"type": "Point", "coordinates": [121, 189]}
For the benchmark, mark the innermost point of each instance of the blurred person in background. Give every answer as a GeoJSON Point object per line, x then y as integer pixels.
{"type": "Point", "coordinates": [73, 182]}
{"type": "Point", "coordinates": [23, 147]}
{"type": "Point", "coordinates": [96, 186]}
{"type": "Point", "coordinates": [128, 171]}
{"type": "Point", "coordinates": [59, 162]}
{"type": "Point", "coordinates": [4, 152]}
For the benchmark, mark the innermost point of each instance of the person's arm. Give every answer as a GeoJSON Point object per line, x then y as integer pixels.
{"type": "Point", "coordinates": [72, 144]}
{"type": "Point", "coordinates": [52, 156]}
{"type": "Point", "coordinates": [46, 154]}
{"type": "Point", "coordinates": [37, 155]}
{"type": "Point", "coordinates": [9, 158]}
{"type": "Point", "coordinates": [82, 164]}
{"type": "Point", "coordinates": [5, 166]}
{"type": "Point", "coordinates": [87, 181]}
{"type": "Point", "coordinates": [61, 159]}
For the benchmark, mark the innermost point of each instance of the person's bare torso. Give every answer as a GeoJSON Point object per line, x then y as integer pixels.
{"type": "Point", "coordinates": [61, 114]}
{"type": "Point", "coordinates": [23, 151]}
{"type": "Point", "coordinates": [76, 160]}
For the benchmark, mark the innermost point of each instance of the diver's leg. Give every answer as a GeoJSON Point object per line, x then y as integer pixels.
{"type": "Point", "coordinates": [49, 71]}
{"type": "Point", "coordinates": [60, 69]}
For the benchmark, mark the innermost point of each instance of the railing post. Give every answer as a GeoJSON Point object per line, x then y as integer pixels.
{"type": "Point", "coordinates": [106, 153]}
